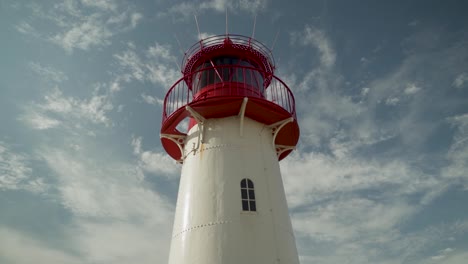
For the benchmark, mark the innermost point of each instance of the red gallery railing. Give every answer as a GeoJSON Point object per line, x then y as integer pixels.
{"type": "Point", "coordinates": [227, 81]}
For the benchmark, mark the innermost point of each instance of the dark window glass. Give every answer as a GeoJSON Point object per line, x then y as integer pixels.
{"type": "Point", "coordinates": [252, 206]}
{"type": "Point", "coordinates": [248, 195]}
{"type": "Point", "coordinates": [218, 70]}
{"type": "Point", "coordinates": [251, 194]}
{"type": "Point", "coordinates": [250, 184]}
{"type": "Point", "coordinates": [244, 193]}
{"type": "Point", "coordinates": [244, 183]}
{"type": "Point", "coordinates": [245, 205]}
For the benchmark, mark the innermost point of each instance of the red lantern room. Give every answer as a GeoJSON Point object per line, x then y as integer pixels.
{"type": "Point", "coordinates": [229, 75]}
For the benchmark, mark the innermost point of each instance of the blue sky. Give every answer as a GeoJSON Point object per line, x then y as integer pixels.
{"type": "Point", "coordinates": [380, 174]}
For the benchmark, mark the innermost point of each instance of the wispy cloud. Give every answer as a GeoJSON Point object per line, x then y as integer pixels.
{"type": "Point", "coordinates": [460, 80]}
{"type": "Point", "coordinates": [16, 171]}
{"type": "Point", "coordinates": [48, 72]}
{"type": "Point", "coordinates": [317, 38]}
{"type": "Point", "coordinates": [316, 176]}
{"type": "Point", "coordinates": [186, 10]}
{"type": "Point", "coordinates": [151, 66]}
{"type": "Point", "coordinates": [392, 101]}
{"type": "Point", "coordinates": [154, 162]}
{"type": "Point", "coordinates": [335, 187]}
{"type": "Point", "coordinates": [26, 28]}
{"type": "Point", "coordinates": [15, 243]}
{"type": "Point", "coordinates": [56, 110]}
{"type": "Point", "coordinates": [458, 152]}
{"type": "Point", "coordinates": [81, 25]}
{"type": "Point", "coordinates": [152, 100]}
{"type": "Point", "coordinates": [83, 35]}
{"type": "Point", "coordinates": [411, 88]}
{"type": "Point", "coordinates": [101, 4]}
{"type": "Point", "coordinates": [102, 194]}
{"type": "Point", "coordinates": [39, 121]}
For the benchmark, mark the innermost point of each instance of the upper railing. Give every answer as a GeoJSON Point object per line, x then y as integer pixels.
{"type": "Point", "coordinates": [239, 42]}
{"type": "Point", "coordinates": [227, 81]}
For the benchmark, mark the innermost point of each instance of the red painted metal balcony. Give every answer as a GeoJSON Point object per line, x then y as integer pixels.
{"type": "Point", "coordinates": [217, 92]}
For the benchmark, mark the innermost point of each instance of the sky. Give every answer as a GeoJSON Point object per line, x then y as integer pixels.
{"type": "Point", "coordinates": [380, 173]}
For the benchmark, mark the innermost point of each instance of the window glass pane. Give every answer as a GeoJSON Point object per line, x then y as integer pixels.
{"type": "Point", "coordinates": [252, 206]}
{"type": "Point", "coordinates": [225, 73]}
{"type": "Point", "coordinates": [239, 76]}
{"type": "Point", "coordinates": [244, 194]}
{"type": "Point", "coordinates": [244, 183]}
{"type": "Point", "coordinates": [251, 195]}
{"type": "Point", "coordinates": [245, 205]}
{"type": "Point", "coordinates": [250, 184]}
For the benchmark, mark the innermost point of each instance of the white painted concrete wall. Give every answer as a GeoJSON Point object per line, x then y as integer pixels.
{"type": "Point", "coordinates": [210, 226]}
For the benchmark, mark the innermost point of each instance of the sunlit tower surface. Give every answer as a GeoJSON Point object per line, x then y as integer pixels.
{"type": "Point", "coordinates": [229, 120]}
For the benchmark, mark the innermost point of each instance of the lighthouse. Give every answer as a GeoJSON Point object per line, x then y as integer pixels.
{"type": "Point", "coordinates": [229, 121]}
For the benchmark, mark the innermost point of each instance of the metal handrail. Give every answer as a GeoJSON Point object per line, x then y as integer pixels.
{"type": "Point", "coordinates": [277, 92]}
{"type": "Point", "coordinates": [235, 39]}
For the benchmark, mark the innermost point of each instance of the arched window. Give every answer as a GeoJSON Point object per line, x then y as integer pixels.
{"type": "Point", "coordinates": [248, 195]}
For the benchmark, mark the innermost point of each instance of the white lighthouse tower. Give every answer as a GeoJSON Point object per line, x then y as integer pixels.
{"type": "Point", "coordinates": [231, 206]}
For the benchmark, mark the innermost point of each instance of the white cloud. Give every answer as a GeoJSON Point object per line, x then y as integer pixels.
{"type": "Point", "coordinates": [26, 28]}
{"type": "Point", "coordinates": [13, 169]}
{"type": "Point", "coordinates": [254, 6]}
{"type": "Point", "coordinates": [161, 74]}
{"type": "Point", "coordinates": [82, 25]}
{"type": "Point", "coordinates": [154, 162]}
{"type": "Point", "coordinates": [15, 244]}
{"type": "Point", "coordinates": [151, 68]}
{"type": "Point", "coordinates": [16, 172]}
{"type": "Point", "coordinates": [159, 51]}
{"type": "Point", "coordinates": [340, 221]}
{"type": "Point", "coordinates": [95, 109]}
{"type": "Point", "coordinates": [318, 39]}
{"type": "Point", "coordinates": [458, 152]}
{"type": "Point", "coordinates": [111, 208]}
{"type": "Point", "coordinates": [39, 121]}
{"type": "Point", "coordinates": [186, 10]}
{"type": "Point", "coordinates": [89, 188]}
{"type": "Point", "coordinates": [48, 72]}
{"type": "Point", "coordinates": [115, 86]}
{"type": "Point", "coordinates": [158, 163]}
{"type": "Point", "coordinates": [365, 91]}
{"type": "Point", "coordinates": [83, 35]}
{"type": "Point", "coordinates": [460, 80]}
{"type": "Point", "coordinates": [362, 231]}
{"type": "Point", "coordinates": [68, 112]}
{"type": "Point", "coordinates": [411, 88]}
{"type": "Point", "coordinates": [153, 100]}
{"type": "Point", "coordinates": [131, 62]}
{"type": "Point", "coordinates": [135, 18]}
{"type": "Point", "coordinates": [311, 177]}
{"type": "Point", "coordinates": [459, 258]}
{"type": "Point", "coordinates": [392, 101]}
{"type": "Point", "coordinates": [205, 35]}
{"type": "Point", "coordinates": [101, 4]}
{"type": "Point", "coordinates": [123, 242]}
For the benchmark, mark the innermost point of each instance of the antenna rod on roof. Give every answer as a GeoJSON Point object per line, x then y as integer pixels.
{"type": "Point", "coordinates": [198, 28]}
{"type": "Point", "coordinates": [227, 22]}
{"type": "Point", "coordinates": [177, 64]}
{"type": "Point", "coordinates": [274, 41]}
{"type": "Point", "coordinates": [255, 22]}
{"type": "Point", "coordinates": [178, 42]}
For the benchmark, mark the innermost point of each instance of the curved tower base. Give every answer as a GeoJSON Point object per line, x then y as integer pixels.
{"type": "Point", "coordinates": [218, 220]}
